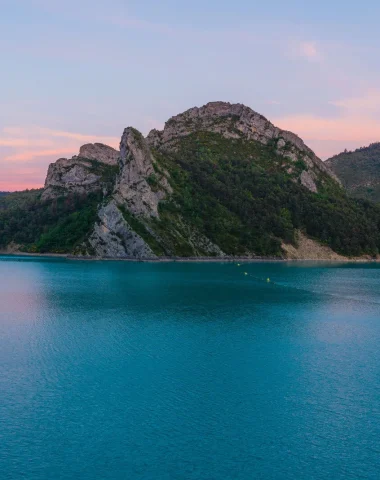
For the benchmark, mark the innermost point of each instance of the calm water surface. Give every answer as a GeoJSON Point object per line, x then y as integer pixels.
{"type": "Point", "coordinates": [188, 371]}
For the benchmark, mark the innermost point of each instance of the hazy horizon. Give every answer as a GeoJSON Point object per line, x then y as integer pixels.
{"type": "Point", "coordinates": [79, 73]}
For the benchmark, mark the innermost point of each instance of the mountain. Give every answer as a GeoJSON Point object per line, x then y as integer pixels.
{"type": "Point", "coordinates": [219, 180]}
{"type": "Point", "coordinates": [359, 171]}
{"type": "Point", "coordinates": [94, 168]}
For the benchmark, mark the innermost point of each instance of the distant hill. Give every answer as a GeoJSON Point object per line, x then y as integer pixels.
{"type": "Point", "coordinates": [359, 171]}
{"type": "Point", "coordinates": [10, 201]}
{"type": "Point", "coordinates": [219, 180]}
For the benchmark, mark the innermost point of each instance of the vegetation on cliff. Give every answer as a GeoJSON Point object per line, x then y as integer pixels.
{"type": "Point", "coordinates": [240, 194]}
{"type": "Point", "coordinates": [218, 180]}
{"type": "Point", "coordinates": [58, 225]}
{"type": "Point", "coordinates": [359, 171]}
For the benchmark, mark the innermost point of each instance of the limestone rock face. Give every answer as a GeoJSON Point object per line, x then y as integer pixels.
{"type": "Point", "coordinates": [138, 190]}
{"type": "Point", "coordinates": [136, 164]}
{"type": "Point", "coordinates": [134, 180]}
{"type": "Point", "coordinates": [100, 152]}
{"type": "Point", "coordinates": [70, 176]}
{"type": "Point", "coordinates": [80, 174]}
{"type": "Point", "coordinates": [114, 237]}
{"type": "Point", "coordinates": [308, 181]}
{"type": "Point", "coordinates": [237, 121]}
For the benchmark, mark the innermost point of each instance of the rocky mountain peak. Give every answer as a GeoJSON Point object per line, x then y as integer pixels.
{"type": "Point", "coordinates": [134, 149]}
{"type": "Point", "coordinates": [135, 198]}
{"type": "Point", "coordinates": [132, 187]}
{"type": "Point", "coordinates": [99, 152]}
{"type": "Point", "coordinates": [239, 121]}
{"type": "Point", "coordinates": [86, 172]}
{"type": "Point", "coordinates": [230, 120]}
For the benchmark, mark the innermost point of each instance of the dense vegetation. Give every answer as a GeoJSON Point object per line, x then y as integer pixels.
{"type": "Point", "coordinates": [59, 225]}
{"type": "Point", "coordinates": [239, 194]}
{"type": "Point", "coordinates": [359, 171]}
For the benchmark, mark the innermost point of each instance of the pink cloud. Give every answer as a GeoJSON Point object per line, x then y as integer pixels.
{"type": "Point", "coordinates": [308, 50]}
{"type": "Point", "coordinates": [345, 128]}
{"type": "Point", "coordinates": [370, 100]}
{"type": "Point", "coordinates": [31, 154]}
{"type": "Point", "coordinates": [323, 133]}
{"type": "Point", "coordinates": [38, 146]}
{"type": "Point", "coordinates": [111, 141]}
{"type": "Point", "coordinates": [23, 142]}
{"type": "Point", "coordinates": [35, 135]}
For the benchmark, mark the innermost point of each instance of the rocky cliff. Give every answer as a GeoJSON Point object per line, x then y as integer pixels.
{"type": "Point", "coordinates": [133, 202]}
{"type": "Point", "coordinates": [219, 180]}
{"type": "Point", "coordinates": [238, 121]}
{"type": "Point", "coordinates": [93, 169]}
{"type": "Point", "coordinates": [129, 222]}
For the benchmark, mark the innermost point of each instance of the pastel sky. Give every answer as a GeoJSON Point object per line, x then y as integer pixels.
{"type": "Point", "coordinates": [80, 71]}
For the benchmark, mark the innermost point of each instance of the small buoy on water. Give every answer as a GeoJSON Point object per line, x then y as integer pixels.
{"type": "Point", "coordinates": [268, 280]}
{"type": "Point", "coordinates": [238, 264]}
{"type": "Point", "coordinates": [245, 273]}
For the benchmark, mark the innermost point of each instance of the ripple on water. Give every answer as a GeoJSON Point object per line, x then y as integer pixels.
{"type": "Point", "coordinates": [195, 371]}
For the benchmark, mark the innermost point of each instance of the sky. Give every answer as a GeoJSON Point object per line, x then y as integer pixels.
{"type": "Point", "coordinates": [80, 71]}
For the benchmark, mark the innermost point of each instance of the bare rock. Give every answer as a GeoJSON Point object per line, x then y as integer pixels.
{"type": "Point", "coordinates": [235, 121]}
{"type": "Point", "coordinates": [308, 249]}
{"type": "Point", "coordinates": [114, 237]}
{"type": "Point", "coordinates": [132, 188]}
{"type": "Point", "coordinates": [99, 152]}
{"type": "Point", "coordinates": [70, 176]}
{"type": "Point", "coordinates": [81, 174]}
{"type": "Point", "coordinates": [307, 181]}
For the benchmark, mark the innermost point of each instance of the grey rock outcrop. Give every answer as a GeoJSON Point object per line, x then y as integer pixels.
{"type": "Point", "coordinates": [136, 179]}
{"type": "Point", "coordinates": [308, 181]}
{"type": "Point", "coordinates": [81, 174]}
{"type": "Point", "coordinates": [237, 121]}
{"type": "Point", "coordinates": [114, 237]}
{"type": "Point", "coordinates": [69, 176]}
{"type": "Point", "coordinates": [100, 152]}
{"type": "Point", "coordinates": [132, 188]}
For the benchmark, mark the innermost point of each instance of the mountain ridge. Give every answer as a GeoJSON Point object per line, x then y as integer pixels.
{"type": "Point", "coordinates": [220, 117]}
{"type": "Point", "coordinates": [359, 171]}
{"type": "Point", "coordinates": [218, 180]}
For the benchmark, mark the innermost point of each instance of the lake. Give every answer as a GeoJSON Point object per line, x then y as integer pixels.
{"type": "Point", "coordinates": [193, 371]}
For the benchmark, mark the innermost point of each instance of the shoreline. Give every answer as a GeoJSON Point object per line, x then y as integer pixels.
{"type": "Point", "coordinates": [226, 259]}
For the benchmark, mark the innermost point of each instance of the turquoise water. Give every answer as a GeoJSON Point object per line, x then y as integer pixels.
{"type": "Point", "coordinates": [188, 371]}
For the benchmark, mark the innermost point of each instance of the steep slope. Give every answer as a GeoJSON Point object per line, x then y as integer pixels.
{"type": "Point", "coordinates": [92, 170]}
{"type": "Point", "coordinates": [60, 217]}
{"type": "Point", "coordinates": [219, 180]}
{"type": "Point", "coordinates": [359, 171]}
{"type": "Point", "coordinates": [222, 180]}
{"type": "Point", "coordinates": [236, 121]}
{"type": "Point", "coordinates": [129, 220]}
{"type": "Point", "coordinates": [59, 225]}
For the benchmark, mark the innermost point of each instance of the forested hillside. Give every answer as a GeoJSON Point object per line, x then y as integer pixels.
{"type": "Point", "coordinates": [359, 171]}
{"type": "Point", "coordinates": [57, 225]}
{"type": "Point", "coordinates": [220, 180]}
